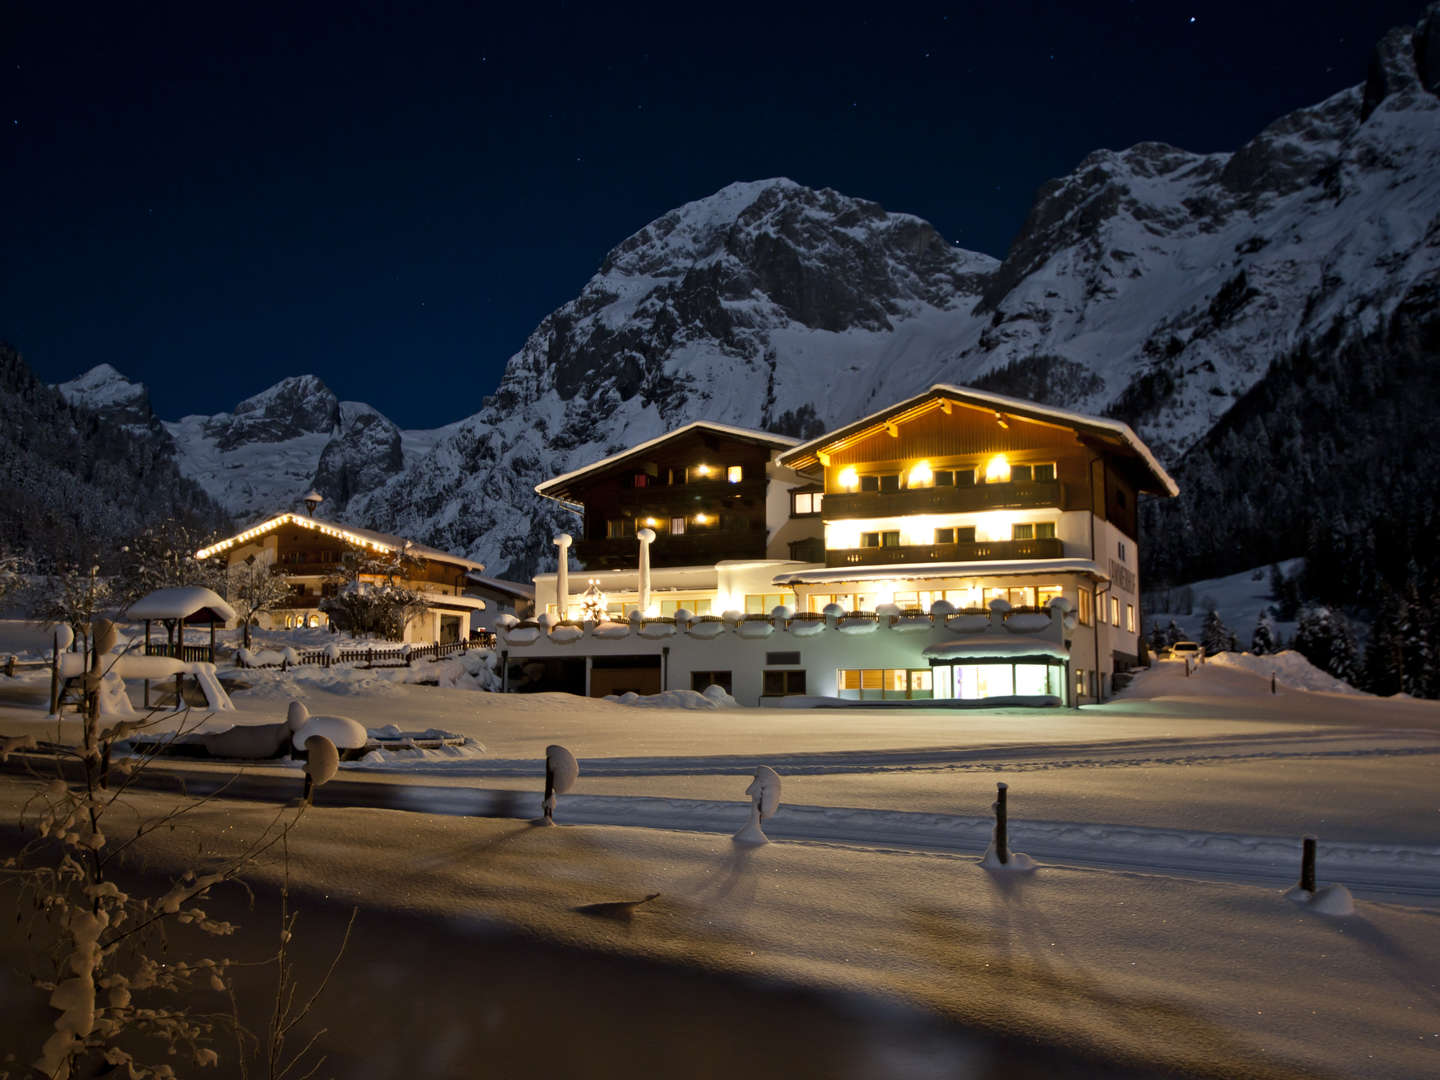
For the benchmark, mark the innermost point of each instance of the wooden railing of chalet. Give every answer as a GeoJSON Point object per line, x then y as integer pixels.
{"type": "Point", "coordinates": [190, 654]}
{"type": "Point", "coordinates": [965, 551]}
{"type": "Point", "coordinates": [387, 656]}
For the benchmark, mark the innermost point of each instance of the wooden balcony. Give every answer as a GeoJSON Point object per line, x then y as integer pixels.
{"type": "Point", "coordinates": [943, 500]}
{"type": "Point", "coordinates": [692, 548]}
{"type": "Point", "coordinates": [682, 498]}
{"type": "Point", "coordinates": [975, 551]}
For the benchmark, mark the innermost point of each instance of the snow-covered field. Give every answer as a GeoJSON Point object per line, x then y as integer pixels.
{"type": "Point", "coordinates": [1167, 824]}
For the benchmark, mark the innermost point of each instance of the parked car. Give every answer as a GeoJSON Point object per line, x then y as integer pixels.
{"type": "Point", "coordinates": [1186, 650]}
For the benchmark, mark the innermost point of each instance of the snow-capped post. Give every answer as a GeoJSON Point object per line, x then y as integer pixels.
{"type": "Point", "coordinates": [1002, 839]}
{"type": "Point", "coordinates": [764, 792]}
{"type": "Point", "coordinates": [1307, 864]}
{"type": "Point", "coordinates": [562, 574]}
{"type": "Point", "coordinates": [322, 761]}
{"type": "Point", "coordinates": [646, 538]}
{"type": "Point", "coordinates": [561, 772]}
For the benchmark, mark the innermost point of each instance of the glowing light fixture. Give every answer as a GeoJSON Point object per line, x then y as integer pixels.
{"type": "Point", "coordinates": [702, 470]}
{"type": "Point", "coordinates": [702, 519]}
{"type": "Point", "coordinates": [849, 479]}
{"type": "Point", "coordinates": [921, 475]}
{"type": "Point", "coordinates": [651, 522]}
{"type": "Point", "coordinates": [997, 470]}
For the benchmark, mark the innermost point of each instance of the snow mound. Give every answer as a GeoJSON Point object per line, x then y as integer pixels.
{"type": "Point", "coordinates": [1331, 900]}
{"type": "Point", "coordinates": [713, 697]}
{"type": "Point", "coordinates": [1291, 669]}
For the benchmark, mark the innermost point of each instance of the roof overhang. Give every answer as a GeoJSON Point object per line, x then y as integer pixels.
{"type": "Point", "coordinates": [945, 397]}
{"type": "Point", "coordinates": [361, 538]}
{"type": "Point", "coordinates": [561, 488]}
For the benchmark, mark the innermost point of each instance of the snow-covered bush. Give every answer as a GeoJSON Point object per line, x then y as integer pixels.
{"type": "Point", "coordinates": [764, 792]}
{"type": "Point", "coordinates": [561, 772]}
{"type": "Point", "coordinates": [1324, 638]}
{"type": "Point", "coordinates": [115, 999]}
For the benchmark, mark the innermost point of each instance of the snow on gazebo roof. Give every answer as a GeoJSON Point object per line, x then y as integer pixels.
{"type": "Point", "coordinates": [182, 602]}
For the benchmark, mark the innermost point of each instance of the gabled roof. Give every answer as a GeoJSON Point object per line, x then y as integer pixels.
{"type": "Point", "coordinates": [517, 589]}
{"type": "Point", "coordinates": [182, 602]}
{"type": "Point", "coordinates": [560, 488]}
{"type": "Point", "coordinates": [808, 455]}
{"type": "Point", "coordinates": [384, 543]}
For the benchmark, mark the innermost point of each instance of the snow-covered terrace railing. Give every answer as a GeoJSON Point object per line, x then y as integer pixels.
{"type": "Point", "coordinates": [397, 656]}
{"type": "Point", "coordinates": [998, 619]}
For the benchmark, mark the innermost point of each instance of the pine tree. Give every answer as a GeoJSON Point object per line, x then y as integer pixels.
{"type": "Point", "coordinates": [1384, 652]}
{"type": "Point", "coordinates": [1215, 636]}
{"type": "Point", "coordinates": [1324, 638]}
{"type": "Point", "coordinates": [1417, 651]}
{"type": "Point", "coordinates": [1173, 634]}
{"type": "Point", "coordinates": [1262, 642]}
{"type": "Point", "coordinates": [1159, 640]}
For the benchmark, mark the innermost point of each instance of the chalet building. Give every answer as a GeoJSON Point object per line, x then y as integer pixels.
{"type": "Point", "coordinates": [708, 506]}
{"type": "Point", "coordinates": [958, 545]}
{"type": "Point", "coordinates": [971, 497]}
{"type": "Point", "coordinates": [309, 552]}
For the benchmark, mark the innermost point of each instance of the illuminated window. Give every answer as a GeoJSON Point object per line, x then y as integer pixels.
{"type": "Point", "coordinates": [764, 603]}
{"type": "Point", "coordinates": [880, 539]}
{"type": "Point", "coordinates": [677, 526]}
{"type": "Point", "coordinates": [1082, 607]}
{"type": "Point", "coordinates": [1046, 593]}
{"type": "Point", "coordinates": [1115, 611]}
{"type": "Point", "coordinates": [806, 502]}
{"type": "Point", "coordinates": [1130, 618]}
{"type": "Point", "coordinates": [907, 600]}
{"type": "Point", "coordinates": [641, 480]}
{"type": "Point", "coordinates": [997, 470]}
{"type": "Point", "coordinates": [1079, 682]}
{"type": "Point", "coordinates": [735, 473]}
{"type": "Point", "coordinates": [704, 520]}
{"type": "Point", "coordinates": [1022, 532]}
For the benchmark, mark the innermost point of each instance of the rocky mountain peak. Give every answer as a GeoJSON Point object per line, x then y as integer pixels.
{"type": "Point", "coordinates": [301, 404]}
{"type": "Point", "coordinates": [104, 390]}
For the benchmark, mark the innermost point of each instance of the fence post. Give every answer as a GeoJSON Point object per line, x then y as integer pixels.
{"type": "Point", "coordinates": [1307, 865]}
{"type": "Point", "coordinates": [1272, 683]}
{"type": "Point", "coordinates": [1002, 839]}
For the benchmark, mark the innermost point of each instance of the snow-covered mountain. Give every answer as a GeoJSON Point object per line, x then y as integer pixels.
{"type": "Point", "coordinates": [1152, 283]}
{"type": "Point", "coordinates": [271, 448]}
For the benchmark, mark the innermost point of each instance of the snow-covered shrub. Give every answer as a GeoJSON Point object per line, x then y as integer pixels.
{"type": "Point", "coordinates": [561, 772]}
{"type": "Point", "coordinates": [115, 1002]}
{"type": "Point", "coordinates": [764, 792]}
{"type": "Point", "coordinates": [1324, 638]}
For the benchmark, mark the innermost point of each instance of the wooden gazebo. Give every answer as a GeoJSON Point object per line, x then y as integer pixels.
{"type": "Point", "coordinates": [176, 608]}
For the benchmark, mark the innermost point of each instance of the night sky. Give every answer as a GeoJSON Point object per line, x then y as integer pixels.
{"type": "Point", "coordinates": [212, 197]}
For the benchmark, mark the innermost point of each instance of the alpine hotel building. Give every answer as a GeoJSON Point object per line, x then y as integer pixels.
{"type": "Point", "coordinates": [958, 546]}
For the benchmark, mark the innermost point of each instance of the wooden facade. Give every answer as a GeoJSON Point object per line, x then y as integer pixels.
{"type": "Point", "coordinates": [703, 493]}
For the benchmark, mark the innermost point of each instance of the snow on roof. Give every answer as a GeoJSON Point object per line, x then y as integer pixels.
{"type": "Point", "coordinates": [995, 647]}
{"type": "Point", "coordinates": [549, 487]}
{"type": "Point", "coordinates": [500, 585]}
{"type": "Point", "coordinates": [1001, 403]}
{"type": "Point", "coordinates": [914, 571]}
{"type": "Point", "coordinates": [351, 534]}
{"type": "Point", "coordinates": [181, 603]}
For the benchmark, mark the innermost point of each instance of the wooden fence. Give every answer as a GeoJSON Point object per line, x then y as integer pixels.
{"type": "Point", "coordinates": [392, 656]}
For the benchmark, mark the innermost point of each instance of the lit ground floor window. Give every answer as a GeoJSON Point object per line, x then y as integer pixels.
{"type": "Point", "coordinates": [987, 680]}
{"type": "Point", "coordinates": [884, 684]}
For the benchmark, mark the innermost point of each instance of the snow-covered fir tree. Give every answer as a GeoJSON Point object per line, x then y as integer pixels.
{"type": "Point", "coordinates": [1324, 638]}
{"type": "Point", "coordinates": [1262, 641]}
{"type": "Point", "coordinates": [1215, 636]}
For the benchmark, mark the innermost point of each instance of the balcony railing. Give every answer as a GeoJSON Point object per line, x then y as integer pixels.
{"type": "Point", "coordinates": [680, 497]}
{"type": "Point", "coordinates": [943, 500]}
{"type": "Point", "coordinates": [975, 551]}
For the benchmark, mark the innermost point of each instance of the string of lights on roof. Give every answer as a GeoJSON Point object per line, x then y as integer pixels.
{"type": "Point", "coordinates": [324, 528]}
